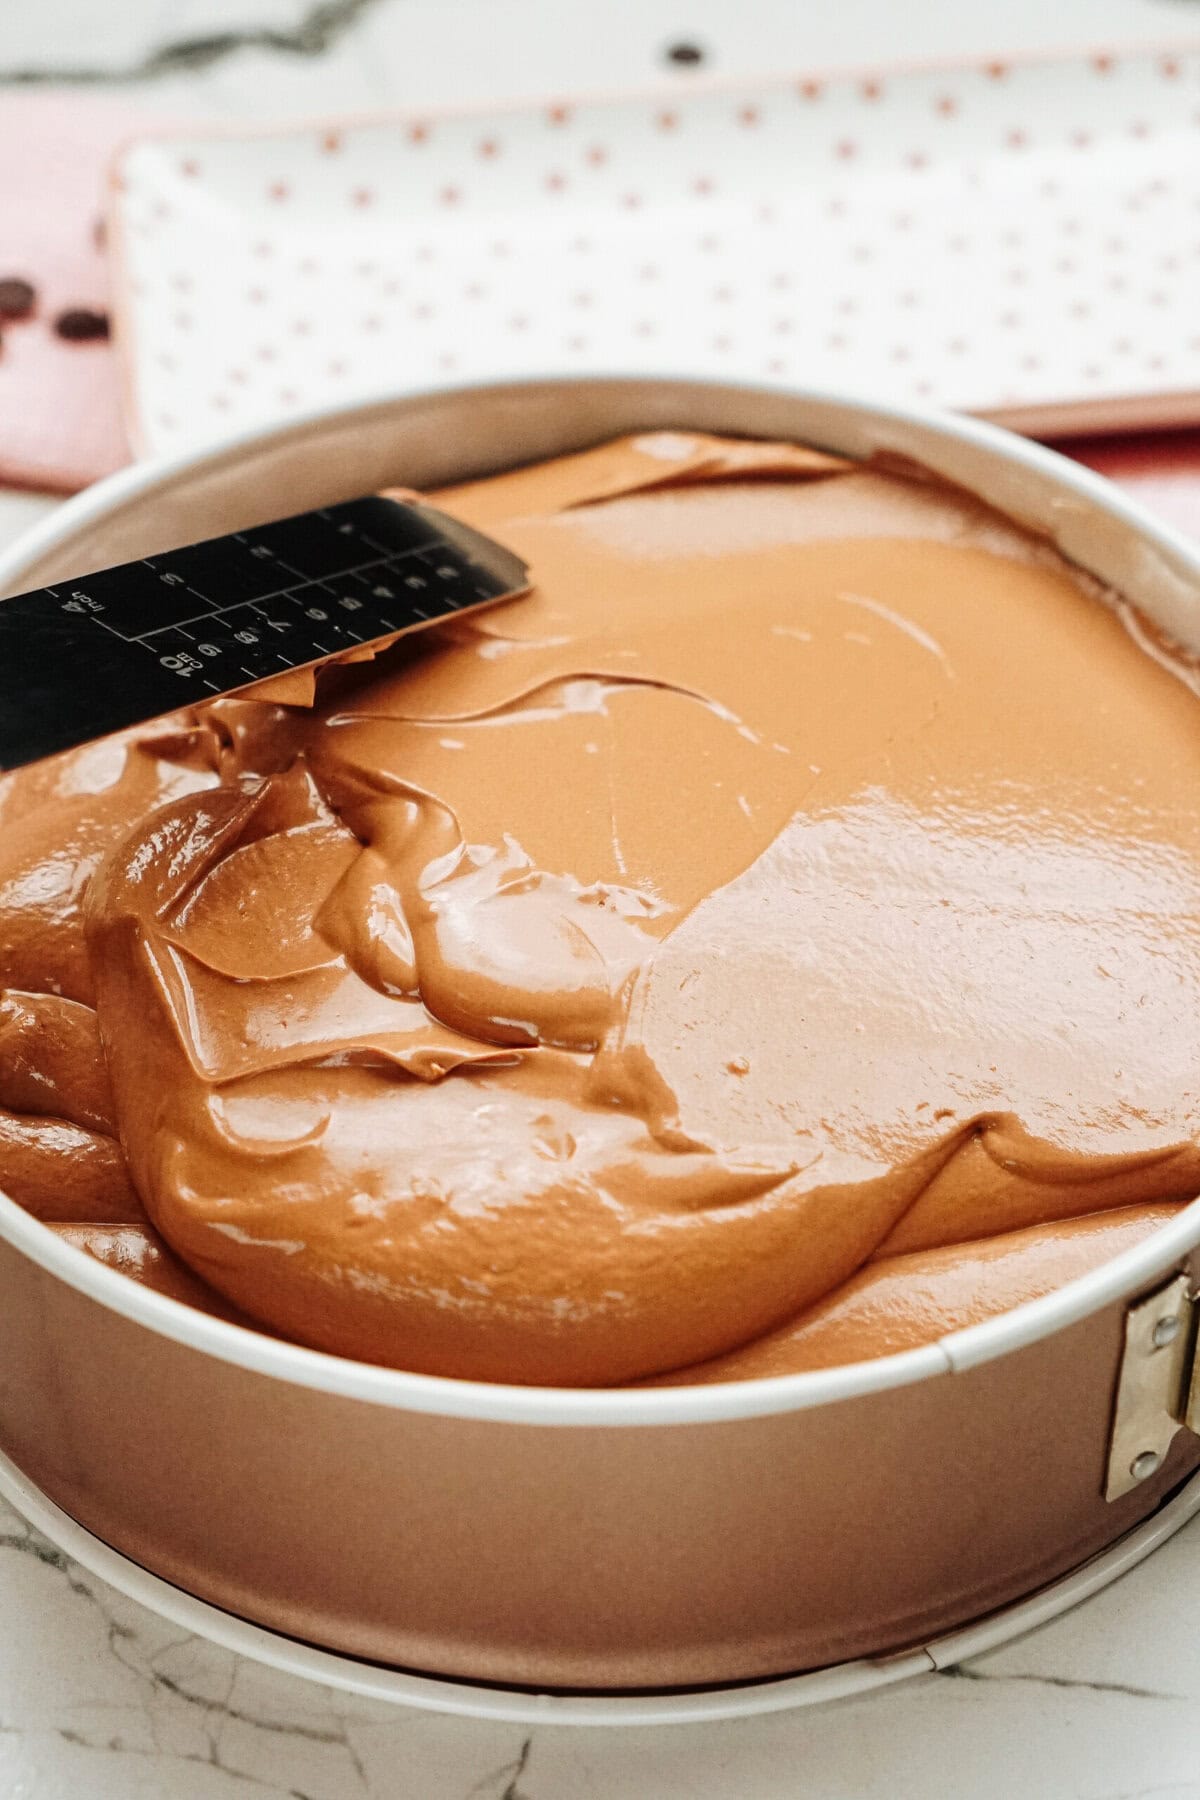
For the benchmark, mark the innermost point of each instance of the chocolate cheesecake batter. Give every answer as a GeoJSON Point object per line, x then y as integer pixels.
{"type": "Point", "coordinates": [787, 913]}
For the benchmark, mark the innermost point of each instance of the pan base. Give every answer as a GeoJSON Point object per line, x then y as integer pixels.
{"type": "Point", "coordinates": [521, 1706]}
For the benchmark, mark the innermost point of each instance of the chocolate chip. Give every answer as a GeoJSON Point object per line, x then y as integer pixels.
{"type": "Point", "coordinates": [17, 297]}
{"type": "Point", "coordinates": [686, 54]}
{"type": "Point", "coordinates": [79, 325]}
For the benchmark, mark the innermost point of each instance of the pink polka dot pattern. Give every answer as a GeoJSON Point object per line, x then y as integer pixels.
{"type": "Point", "coordinates": [1002, 236]}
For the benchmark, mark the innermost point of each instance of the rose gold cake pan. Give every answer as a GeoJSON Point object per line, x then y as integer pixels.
{"type": "Point", "coordinates": [617, 1554]}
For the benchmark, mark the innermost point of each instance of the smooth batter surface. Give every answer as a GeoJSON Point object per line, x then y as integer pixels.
{"type": "Point", "coordinates": [804, 876]}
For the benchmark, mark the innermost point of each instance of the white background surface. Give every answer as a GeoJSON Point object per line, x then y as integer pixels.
{"type": "Point", "coordinates": [400, 52]}
{"type": "Point", "coordinates": [99, 1700]}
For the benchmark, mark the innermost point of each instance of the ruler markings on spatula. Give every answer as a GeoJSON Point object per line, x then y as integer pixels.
{"type": "Point", "coordinates": [103, 652]}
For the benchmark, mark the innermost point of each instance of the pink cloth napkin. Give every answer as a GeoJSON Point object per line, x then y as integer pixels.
{"type": "Point", "coordinates": [60, 414]}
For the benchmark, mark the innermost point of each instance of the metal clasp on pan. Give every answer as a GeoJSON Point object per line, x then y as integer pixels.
{"type": "Point", "coordinates": [1158, 1389]}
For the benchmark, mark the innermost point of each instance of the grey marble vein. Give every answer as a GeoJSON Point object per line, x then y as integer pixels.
{"type": "Point", "coordinates": [218, 1713]}
{"type": "Point", "coordinates": [968, 1672]}
{"type": "Point", "coordinates": [31, 1543]}
{"type": "Point", "coordinates": [512, 1792]}
{"type": "Point", "coordinates": [510, 1773]}
{"type": "Point", "coordinates": [315, 1733]}
{"type": "Point", "coordinates": [315, 32]}
{"type": "Point", "coordinates": [244, 1777]}
{"type": "Point", "coordinates": [211, 1757]}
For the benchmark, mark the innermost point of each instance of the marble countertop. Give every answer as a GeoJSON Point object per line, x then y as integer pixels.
{"type": "Point", "coordinates": [101, 1699]}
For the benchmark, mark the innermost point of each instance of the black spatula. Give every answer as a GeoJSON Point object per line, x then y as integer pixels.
{"type": "Point", "coordinates": [120, 647]}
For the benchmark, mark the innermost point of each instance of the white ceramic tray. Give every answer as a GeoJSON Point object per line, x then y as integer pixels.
{"type": "Point", "coordinates": [1015, 238]}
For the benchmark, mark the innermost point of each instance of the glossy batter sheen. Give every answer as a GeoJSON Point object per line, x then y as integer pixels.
{"type": "Point", "coordinates": [771, 942]}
